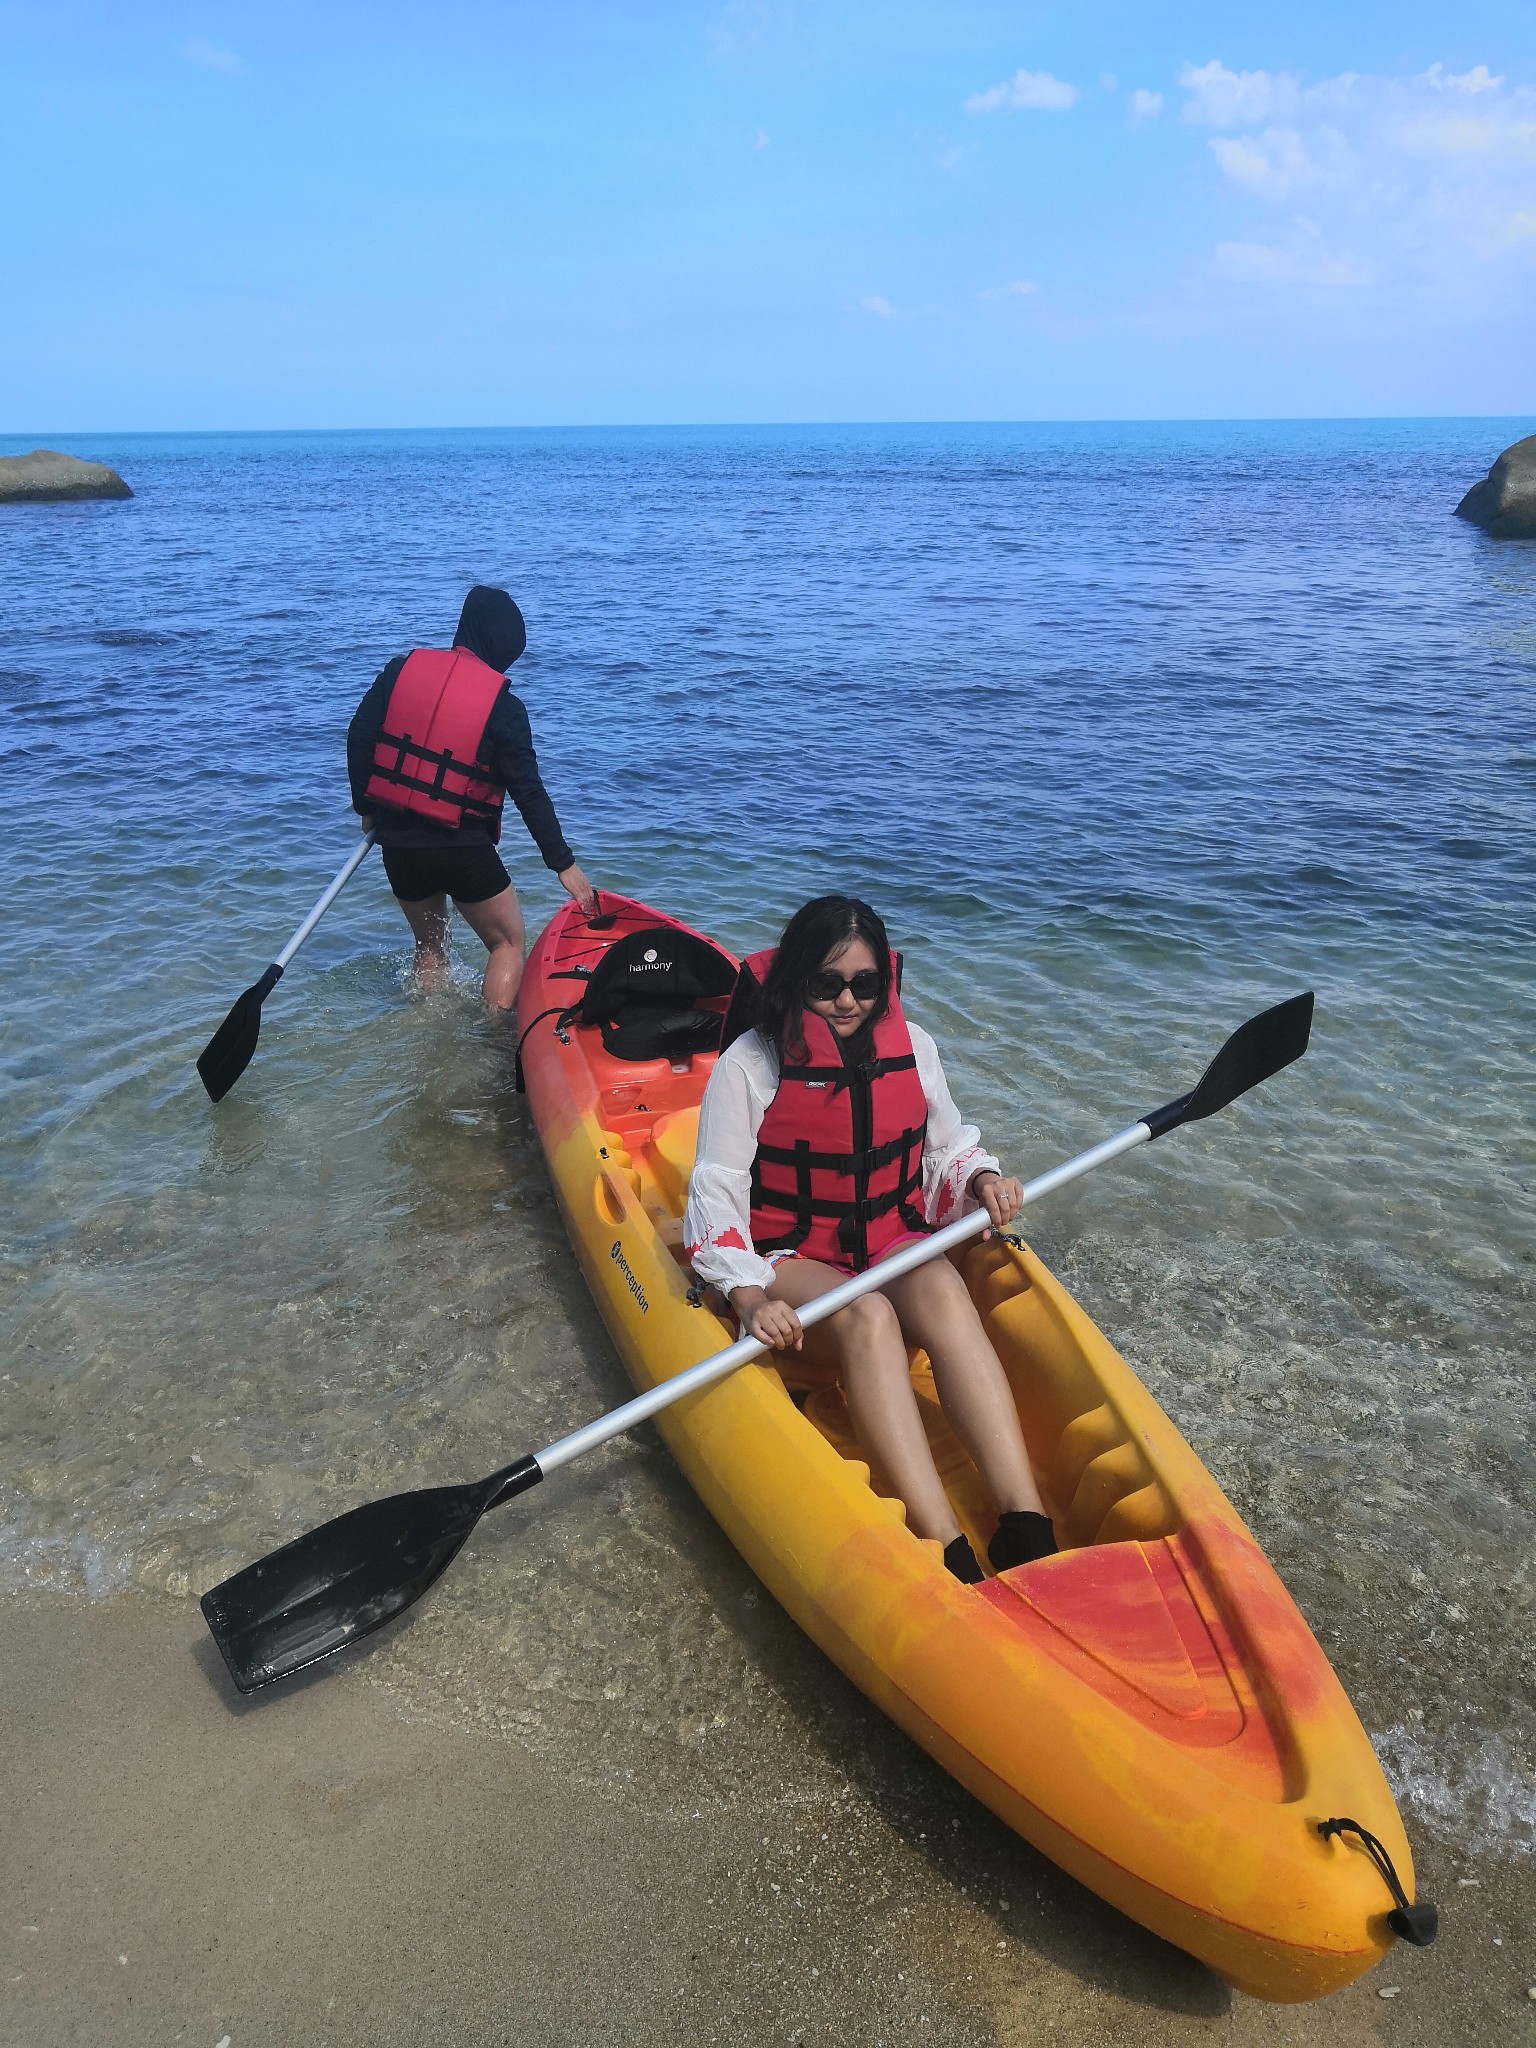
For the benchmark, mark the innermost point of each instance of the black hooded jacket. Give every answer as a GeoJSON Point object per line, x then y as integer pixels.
{"type": "Point", "coordinates": [490, 626]}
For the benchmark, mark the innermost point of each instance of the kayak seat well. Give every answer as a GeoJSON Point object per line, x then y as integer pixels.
{"type": "Point", "coordinates": [1097, 1480]}
{"type": "Point", "coordinates": [821, 1401]}
{"type": "Point", "coordinates": [669, 1149]}
{"type": "Point", "coordinates": [1097, 1483]}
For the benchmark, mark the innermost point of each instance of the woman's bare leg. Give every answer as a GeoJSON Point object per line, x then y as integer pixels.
{"type": "Point", "coordinates": [428, 920]}
{"type": "Point", "coordinates": [937, 1313]}
{"type": "Point", "coordinates": [865, 1345]}
{"type": "Point", "coordinates": [498, 924]}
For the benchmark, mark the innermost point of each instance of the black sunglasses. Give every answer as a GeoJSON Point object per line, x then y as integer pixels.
{"type": "Point", "coordinates": [826, 986]}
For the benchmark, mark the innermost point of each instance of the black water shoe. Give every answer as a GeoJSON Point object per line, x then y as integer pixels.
{"type": "Point", "coordinates": [1022, 1537]}
{"type": "Point", "coordinates": [960, 1559]}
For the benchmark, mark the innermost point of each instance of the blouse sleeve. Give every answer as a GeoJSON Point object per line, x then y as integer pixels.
{"type": "Point", "coordinates": [717, 1225]}
{"type": "Point", "coordinates": [954, 1151]}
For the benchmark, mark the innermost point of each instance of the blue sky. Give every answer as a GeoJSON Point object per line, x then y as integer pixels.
{"type": "Point", "coordinates": [464, 214]}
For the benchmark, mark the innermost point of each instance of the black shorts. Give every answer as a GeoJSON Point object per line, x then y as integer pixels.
{"type": "Point", "coordinates": [469, 874]}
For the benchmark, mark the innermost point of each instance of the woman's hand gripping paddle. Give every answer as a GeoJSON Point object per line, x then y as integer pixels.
{"type": "Point", "coordinates": [342, 1581]}
{"type": "Point", "coordinates": [228, 1053]}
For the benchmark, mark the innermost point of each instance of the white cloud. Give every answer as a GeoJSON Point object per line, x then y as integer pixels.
{"type": "Point", "coordinates": [1019, 288]}
{"type": "Point", "coordinates": [209, 57]}
{"type": "Point", "coordinates": [1274, 162]}
{"type": "Point", "coordinates": [760, 139]}
{"type": "Point", "coordinates": [1240, 160]}
{"type": "Point", "coordinates": [1478, 79]}
{"type": "Point", "coordinates": [1145, 106]}
{"type": "Point", "coordinates": [1037, 91]}
{"type": "Point", "coordinates": [1406, 183]}
{"type": "Point", "coordinates": [881, 308]}
{"type": "Point", "coordinates": [1220, 98]}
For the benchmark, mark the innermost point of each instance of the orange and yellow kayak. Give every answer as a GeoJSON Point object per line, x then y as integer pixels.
{"type": "Point", "coordinates": [1148, 1708]}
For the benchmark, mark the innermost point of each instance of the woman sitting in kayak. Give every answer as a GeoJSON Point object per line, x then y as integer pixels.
{"type": "Point", "coordinates": [827, 1137]}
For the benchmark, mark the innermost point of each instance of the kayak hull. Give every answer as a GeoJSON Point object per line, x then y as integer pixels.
{"type": "Point", "coordinates": [1149, 1708]}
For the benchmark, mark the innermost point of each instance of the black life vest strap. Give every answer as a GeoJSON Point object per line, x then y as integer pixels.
{"type": "Point", "coordinates": [871, 1206]}
{"type": "Point", "coordinates": [799, 1204]}
{"type": "Point", "coordinates": [446, 761]}
{"type": "Point", "coordinates": [843, 1077]}
{"type": "Point", "coordinates": [911, 1183]}
{"type": "Point", "coordinates": [843, 1162]}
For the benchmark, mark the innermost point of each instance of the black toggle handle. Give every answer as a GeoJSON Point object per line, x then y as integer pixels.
{"type": "Point", "coordinates": [1416, 1924]}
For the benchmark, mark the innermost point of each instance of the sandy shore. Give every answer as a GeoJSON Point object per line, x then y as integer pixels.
{"type": "Point", "coordinates": [327, 1867]}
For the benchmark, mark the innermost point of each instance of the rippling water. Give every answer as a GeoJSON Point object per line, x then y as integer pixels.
{"type": "Point", "coordinates": [1129, 731]}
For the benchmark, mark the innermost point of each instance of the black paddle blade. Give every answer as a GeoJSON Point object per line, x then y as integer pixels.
{"type": "Point", "coordinates": [340, 1582]}
{"type": "Point", "coordinates": [1254, 1052]}
{"type": "Point", "coordinates": [228, 1053]}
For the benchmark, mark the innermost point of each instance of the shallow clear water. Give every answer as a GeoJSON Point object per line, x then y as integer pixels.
{"type": "Point", "coordinates": [1129, 730]}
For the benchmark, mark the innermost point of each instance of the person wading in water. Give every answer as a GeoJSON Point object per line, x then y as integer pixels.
{"type": "Point", "coordinates": [433, 748]}
{"type": "Point", "coordinates": [827, 1139]}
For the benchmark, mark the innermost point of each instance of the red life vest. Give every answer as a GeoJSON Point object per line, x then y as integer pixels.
{"type": "Point", "coordinates": [839, 1168]}
{"type": "Point", "coordinates": [427, 756]}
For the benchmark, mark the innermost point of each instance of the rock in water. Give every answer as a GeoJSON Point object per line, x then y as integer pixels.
{"type": "Point", "coordinates": [1504, 503]}
{"type": "Point", "coordinates": [45, 477]}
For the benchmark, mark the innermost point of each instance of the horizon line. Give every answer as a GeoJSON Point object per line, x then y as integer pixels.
{"type": "Point", "coordinates": [763, 426]}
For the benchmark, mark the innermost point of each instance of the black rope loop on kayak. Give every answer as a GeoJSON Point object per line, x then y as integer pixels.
{"type": "Point", "coordinates": [1418, 1924]}
{"type": "Point", "coordinates": [556, 1010]}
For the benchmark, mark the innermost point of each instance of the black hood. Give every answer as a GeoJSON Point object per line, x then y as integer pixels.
{"type": "Point", "coordinates": [491, 626]}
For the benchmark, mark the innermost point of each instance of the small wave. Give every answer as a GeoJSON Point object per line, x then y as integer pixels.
{"type": "Point", "coordinates": [1483, 1804]}
{"type": "Point", "coordinates": [67, 1562]}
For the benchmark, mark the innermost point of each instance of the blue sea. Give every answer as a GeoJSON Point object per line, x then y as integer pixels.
{"type": "Point", "coordinates": [1129, 730]}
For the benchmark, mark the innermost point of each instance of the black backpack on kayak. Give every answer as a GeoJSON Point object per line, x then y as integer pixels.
{"type": "Point", "coordinates": [644, 993]}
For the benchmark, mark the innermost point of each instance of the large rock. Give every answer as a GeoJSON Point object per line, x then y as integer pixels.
{"type": "Point", "coordinates": [1504, 503]}
{"type": "Point", "coordinates": [45, 476]}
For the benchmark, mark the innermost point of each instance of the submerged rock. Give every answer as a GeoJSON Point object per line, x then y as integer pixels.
{"type": "Point", "coordinates": [45, 477]}
{"type": "Point", "coordinates": [1504, 503]}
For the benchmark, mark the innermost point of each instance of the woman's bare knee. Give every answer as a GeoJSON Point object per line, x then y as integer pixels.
{"type": "Point", "coordinates": [870, 1318]}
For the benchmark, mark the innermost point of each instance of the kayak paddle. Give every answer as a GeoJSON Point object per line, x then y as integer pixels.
{"type": "Point", "coordinates": [228, 1053]}
{"type": "Point", "coordinates": [350, 1576]}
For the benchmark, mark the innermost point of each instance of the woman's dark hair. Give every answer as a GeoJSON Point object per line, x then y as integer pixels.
{"type": "Point", "coordinates": [824, 925]}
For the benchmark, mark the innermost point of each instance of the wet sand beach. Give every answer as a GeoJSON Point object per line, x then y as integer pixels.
{"type": "Point", "coordinates": [331, 1866]}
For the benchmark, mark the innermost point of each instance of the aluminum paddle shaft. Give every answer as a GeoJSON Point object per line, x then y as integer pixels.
{"type": "Point", "coordinates": [333, 889]}
{"type": "Point", "coordinates": [228, 1053]}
